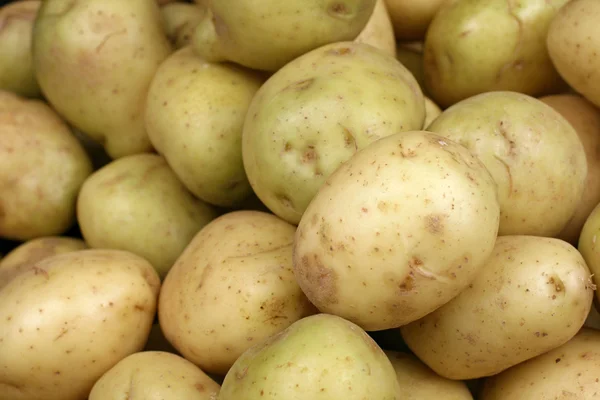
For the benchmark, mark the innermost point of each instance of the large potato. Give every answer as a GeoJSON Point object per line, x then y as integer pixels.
{"type": "Point", "coordinates": [303, 123]}
{"type": "Point", "coordinates": [477, 46]}
{"type": "Point", "coordinates": [42, 167]}
{"type": "Point", "coordinates": [533, 153]}
{"type": "Point", "coordinates": [574, 46]}
{"type": "Point", "coordinates": [180, 20]}
{"type": "Point", "coordinates": [568, 372]}
{"type": "Point", "coordinates": [70, 319]}
{"type": "Point", "coordinates": [94, 60]}
{"type": "Point", "coordinates": [589, 245]}
{"type": "Point", "coordinates": [412, 18]}
{"type": "Point", "coordinates": [136, 203]}
{"type": "Point", "coordinates": [379, 32]}
{"type": "Point", "coordinates": [194, 115]}
{"type": "Point", "coordinates": [154, 375]}
{"type": "Point", "coordinates": [398, 230]}
{"type": "Point", "coordinates": [532, 295]}
{"type": "Point", "coordinates": [232, 287]}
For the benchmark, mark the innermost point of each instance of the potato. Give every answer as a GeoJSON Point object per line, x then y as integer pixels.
{"type": "Point", "coordinates": [16, 66]}
{"type": "Point", "coordinates": [94, 60]}
{"type": "Point", "coordinates": [42, 167]}
{"type": "Point", "coordinates": [155, 375]}
{"type": "Point", "coordinates": [397, 231]}
{"type": "Point", "coordinates": [303, 122]}
{"type": "Point", "coordinates": [419, 382]}
{"type": "Point", "coordinates": [410, 54]}
{"type": "Point", "coordinates": [321, 357]}
{"type": "Point", "coordinates": [25, 256]}
{"type": "Point", "coordinates": [432, 111]}
{"type": "Point", "coordinates": [194, 116]}
{"type": "Point", "coordinates": [70, 319]}
{"type": "Point", "coordinates": [533, 153]}
{"type": "Point", "coordinates": [412, 18]}
{"type": "Point", "coordinates": [585, 118]}
{"type": "Point", "coordinates": [232, 287]}
{"type": "Point", "coordinates": [574, 46]}
{"type": "Point", "coordinates": [136, 203]}
{"type": "Point", "coordinates": [180, 20]}
{"type": "Point", "coordinates": [568, 372]}
{"type": "Point", "coordinates": [589, 245]}
{"type": "Point", "coordinates": [379, 32]}
{"type": "Point", "coordinates": [268, 34]}
{"type": "Point", "coordinates": [477, 46]}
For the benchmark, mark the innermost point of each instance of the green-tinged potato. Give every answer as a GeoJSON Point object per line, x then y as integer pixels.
{"type": "Point", "coordinates": [94, 60]}
{"type": "Point", "coordinates": [412, 18]}
{"type": "Point", "coordinates": [410, 54]}
{"type": "Point", "coordinates": [155, 375]}
{"type": "Point", "coordinates": [321, 357]}
{"type": "Point", "coordinates": [419, 382]}
{"type": "Point", "coordinates": [532, 295]}
{"type": "Point", "coordinates": [232, 287]}
{"type": "Point", "coordinates": [432, 111]}
{"type": "Point", "coordinates": [180, 20]}
{"type": "Point", "coordinates": [194, 116]}
{"type": "Point", "coordinates": [397, 231]}
{"type": "Point", "coordinates": [477, 46]}
{"type": "Point", "coordinates": [42, 168]}
{"type": "Point", "coordinates": [585, 118]}
{"type": "Point", "coordinates": [16, 66]}
{"type": "Point", "coordinates": [136, 203]}
{"type": "Point", "coordinates": [589, 245]}
{"type": "Point", "coordinates": [567, 372]}
{"type": "Point", "coordinates": [379, 32]}
{"type": "Point", "coordinates": [72, 318]}
{"type": "Point", "coordinates": [303, 123]}
{"type": "Point", "coordinates": [533, 153]}
{"type": "Point", "coordinates": [25, 256]}
{"type": "Point", "coordinates": [268, 34]}
{"type": "Point", "coordinates": [574, 46]}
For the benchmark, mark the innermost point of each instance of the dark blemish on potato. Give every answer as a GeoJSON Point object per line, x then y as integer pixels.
{"type": "Point", "coordinates": [382, 206]}
{"type": "Point", "coordinates": [207, 269]}
{"type": "Point", "coordinates": [557, 360]}
{"type": "Point", "coordinates": [300, 85]}
{"type": "Point", "coordinates": [309, 154]}
{"type": "Point", "coordinates": [540, 334]}
{"type": "Point", "coordinates": [511, 144]}
{"type": "Point", "coordinates": [200, 387]}
{"type": "Point", "coordinates": [287, 147]}
{"type": "Point", "coordinates": [406, 153]}
{"type": "Point", "coordinates": [139, 307]}
{"type": "Point", "coordinates": [434, 223]}
{"type": "Point", "coordinates": [364, 209]}
{"type": "Point", "coordinates": [408, 283]}
{"type": "Point", "coordinates": [284, 200]}
{"type": "Point", "coordinates": [321, 281]}
{"type": "Point", "coordinates": [558, 284]}
{"type": "Point", "coordinates": [62, 333]}
{"type": "Point", "coordinates": [341, 51]}
{"type": "Point", "coordinates": [40, 271]}
{"type": "Point", "coordinates": [349, 139]}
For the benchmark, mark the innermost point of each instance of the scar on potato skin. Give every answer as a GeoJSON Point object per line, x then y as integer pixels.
{"type": "Point", "coordinates": [434, 223]}
{"type": "Point", "coordinates": [320, 279]}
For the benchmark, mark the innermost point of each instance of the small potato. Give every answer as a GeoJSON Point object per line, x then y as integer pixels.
{"type": "Point", "coordinates": [568, 372]}
{"type": "Point", "coordinates": [72, 318]}
{"type": "Point", "coordinates": [419, 382]}
{"type": "Point", "coordinates": [589, 245]}
{"type": "Point", "coordinates": [232, 287]}
{"type": "Point", "coordinates": [533, 153]}
{"type": "Point", "coordinates": [432, 111]}
{"type": "Point", "coordinates": [154, 375]}
{"type": "Point", "coordinates": [412, 18]}
{"type": "Point", "coordinates": [24, 257]}
{"type": "Point", "coordinates": [180, 20]}
{"type": "Point", "coordinates": [379, 32]}
{"type": "Point", "coordinates": [574, 46]}
{"type": "Point", "coordinates": [532, 295]}
{"type": "Point", "coordinates": [397, 231]}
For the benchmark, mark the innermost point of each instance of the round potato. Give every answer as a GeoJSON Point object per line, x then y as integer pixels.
{"type": "Point", "coordinates": [180, 20]}
{"type": "Point", "coordinates": [72, 318]}
{"type": "Point", "coordinates": [153, 375]}
{"type": "Point", "coordinates": [533, 153]}
{"type": "Point", "coordinates": [568, 372]}
{"type": "Point", "coordinates": [24, 257]}
{"type": "Point", "coordinates": [379, 32]}
{"type": "Point", "coordinates": [589, 245]}
{"type": "Point", "coordinates": [574, 46]}
{"type": "Point", "coordinates": [412, 18]}
{"type": "Point", "coordinates": [232, 287]}
{"type": "Point", "coordinates": [42, 168]}
{"type": "Point", "coordinates": [397, 231]}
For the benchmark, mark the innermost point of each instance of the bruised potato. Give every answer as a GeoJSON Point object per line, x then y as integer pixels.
{"type": "Point", "coordinates": [379, 32]}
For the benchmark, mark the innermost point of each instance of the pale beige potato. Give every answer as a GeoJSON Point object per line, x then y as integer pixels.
{"type": "Point", "coordinates": [397, 231]}
{"type": "Point", "coordinates": [180, 20]}
{"type": "Point", "coordinates": [573, 42]}
{"type": "Point", "coordinates": [589, 246]}
{"type": "Point", "coordinates": [138, 204]}
{"type": "Point", "coordinates": [531, 150]}
{"type": "Point", "coordinates": [474, 46]}
{"type": "Point", "coordinates": [42, 168]}
{"type": "Point", "coordinates": [412, 18]}
{"type": "Point", "coordinates": [94, 60]}
{"type": "Point", "coordinates": [419, 382]}
{"type": "Point", "coordinates": [568, 372]}
{"type": "Point", "coordinates": [585, 118]}
{"type": "Point", "coordinates": [16, 66]}
{"type": "Point", "coordinates": [379, 32]}
{"type": "Point", "coordinates": [194, 116]}
{"type": "Point", "coordinates": [71, 319]}
{"type": "Point", "coordinates": [25, 256]}
{"type": "Point", "coordinates": [232, 288]}
{"type": "Point", "coordinates": [432, 111]}
{"type": "Point", "coordinates": [304, 121]}
{"type": "Point", "coordinates": [155, 375]}
{"type": "Point", "coordinates": [268, 34]}
{"type": "Point", "coordinates": [410, 54]}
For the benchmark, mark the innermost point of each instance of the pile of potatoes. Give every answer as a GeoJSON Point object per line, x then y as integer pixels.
{"type": "Point", "coordinates": [301, 199]}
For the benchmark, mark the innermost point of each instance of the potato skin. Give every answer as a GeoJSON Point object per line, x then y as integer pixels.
{"type": "Point", "coordinates": [379, 31]}
{"type": "Point", "coordinates": [72, 318]}
{"type": "Point", "coordinates": [397, 231]}
{"type": "Point", "coordinates": [532, 295]}
{"type": "Point", "coordinates": [412, 18]}
{"type": "Point", "coordinates": [589, 246]}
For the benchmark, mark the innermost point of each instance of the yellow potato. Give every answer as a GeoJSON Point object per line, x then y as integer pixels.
{"type": "Point", "coordinates": [180, 20]}
{"type": "Point", "coordinates": [411, 18]}
{"type": "Point", "coordinates": [432, 111]}
{"type": "Point", "coordinates": [154, 375]}
{"type": "Point", "coordinates": [379, 32]}
{"type": "Point", "coordinates": [589, 245]}
{"type": "Point", "coordinates": [532, 295]}
{"type": "Point", "coordinates": [72, 318]}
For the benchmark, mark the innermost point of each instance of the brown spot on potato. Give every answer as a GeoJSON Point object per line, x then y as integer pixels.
{"type": "Point", "coordinates": [340, 51]}
{"type": "Point", "coordinates": [434, 223]}
{"type": "Point", "coordinates": [558, 284]}
{"type": "Point", "coordinates": [300, 85]}
{"type": "Point", "coordinates": [408, 283]}
{"type": "Point", "coordinates": [349, 139]}
{"type": "Point", "coordinates": [200, 387]}
{"type": "Point", "coordinates": [320, 282]}
{"type": "Point", "coordinates": [241, 374]}
{"type": "Point", "coordinates": [139, 307]}
{"type": "Point", "coordinates": [406, 153]}
{"type": "Point", "coordinates": [40, 271]}
{"type": "Point", "coordinates": [309, 155]}
{"type": "Point", "coordinates": [62, 333]}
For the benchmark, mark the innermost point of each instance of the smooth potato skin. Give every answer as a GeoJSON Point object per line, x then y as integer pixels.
{"type": "Point", "coordinates": [432, 111]}
{"type": "Point", "coordinates": [412, 18]}
{"type": "Point", "coordinates": [379, 31]}
{"type": "Point", "coordinates": [68, 321]}
{"type": "Point", "coordinates": [589, 246]}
